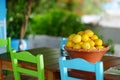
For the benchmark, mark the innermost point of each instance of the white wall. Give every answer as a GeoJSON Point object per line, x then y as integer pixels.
{"type": "Point", "coordinates": [43, 41]}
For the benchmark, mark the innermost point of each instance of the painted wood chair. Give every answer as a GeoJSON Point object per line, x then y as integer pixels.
{"type": "Point", "coordinates": [79, 64]}
{"type": "Point", "coordinates": [62, 44]}
{"type": "Point", "coordinates": [5, 48]}
{"type": "Point", "coordinates": [27, 57]}
{"type": "Point", "coordinates": [5, 45]}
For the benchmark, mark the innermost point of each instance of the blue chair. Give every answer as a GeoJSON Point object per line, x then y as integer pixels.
{"type": "Point", "coordinates": [62, 44]}
{"type": "Point", "coordinates": [79, 64]}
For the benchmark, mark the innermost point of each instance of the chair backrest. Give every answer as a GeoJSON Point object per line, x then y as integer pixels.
{"type": "Point", "coordinates": [62, 44]}
{"type": "Point", "coordinates": [5, 45]}
{"type": "Point", "coordinates": [27, 57]}
{"type": "Point", "coordinates": [79, 64]}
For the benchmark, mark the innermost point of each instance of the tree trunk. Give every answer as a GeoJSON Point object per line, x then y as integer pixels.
{"type": "Point", "coordinates": [24, 25]}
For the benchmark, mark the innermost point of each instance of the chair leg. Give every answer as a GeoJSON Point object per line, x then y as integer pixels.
{"type": "Point", "coordinates": [1, 71]}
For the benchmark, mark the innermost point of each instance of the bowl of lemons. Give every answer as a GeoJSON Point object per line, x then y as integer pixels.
{"type": "Point", "coordinates": [85, 44]}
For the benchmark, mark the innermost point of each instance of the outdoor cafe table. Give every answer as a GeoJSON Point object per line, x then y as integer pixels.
{"type": "Point", "coordinates": [51, 56]}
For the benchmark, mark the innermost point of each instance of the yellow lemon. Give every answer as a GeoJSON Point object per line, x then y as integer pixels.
{"type": "Point", "coordinates": [80, 43]}
{"type": "Point", "coordinates": [89, 39]}
{"type": "Point", "coordinates": [91, 42]}
{"type": "Point", "coordinates": [76, 46]}
{"type": "Point", "coordinates": [80, 32]}
{"type": "Point", "coordinates": [94, 37]}
{"type": "Point", "coordinates": [98, 42]}
{"type": "Point", "coordinates": [71, 36]}
{"type": "Point", "coordinates": [99, 47]}
{"type": "Point", "coordinates": [69, 44]}
{"type": "Point", "coordinates": [89, 32]}
{"type": "Point", "coordinates": [92, 47]}
{"type": "Point", "coordinates": [85, 37]}
{"type": "Point", "coordinates": [76, 38]}
{"type": "Point", "coordinates": [85, 45]}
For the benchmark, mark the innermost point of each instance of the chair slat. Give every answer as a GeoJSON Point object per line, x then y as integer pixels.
{"type": "Point", "coordinates": [27, 71]}
{"type": "Point", "coordinates": [79, 61]}
{"type": "Point", "coordinates": [25, 56]}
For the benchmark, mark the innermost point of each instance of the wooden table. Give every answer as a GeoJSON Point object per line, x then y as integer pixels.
{"type": "Point", "coordinates": [51, 56]}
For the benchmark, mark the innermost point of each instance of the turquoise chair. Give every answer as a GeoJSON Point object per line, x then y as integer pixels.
{"type": "Point", "coordinates": [78, 64]}
{"type": "Point", "coordinates": [27, 57]}
{"type": "Point", "coordinates": [62, 44]}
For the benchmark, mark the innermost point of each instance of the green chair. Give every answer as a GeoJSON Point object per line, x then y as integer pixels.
{"type": "Point", "coordinates": [5, 48]}
{"type": "Point", "coordinates": [29, 58]}
{"type": "Point", "coordinates": [5, 45]}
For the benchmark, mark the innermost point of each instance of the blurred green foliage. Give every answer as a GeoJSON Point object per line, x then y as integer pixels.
{"type": "Point", "coordinates": [110, 43]}
{"type": "Point", "coordinates": [92, 7]}
{"type": "Point", "coordinates": [56, 23]}
{"type": "Point", "coordinates": [15, 17]}
{"type": "Point", "coordinates": [16, 10]}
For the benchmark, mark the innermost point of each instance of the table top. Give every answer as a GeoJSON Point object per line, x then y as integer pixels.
{"type": "Point", "coordinates": [51, 56]}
